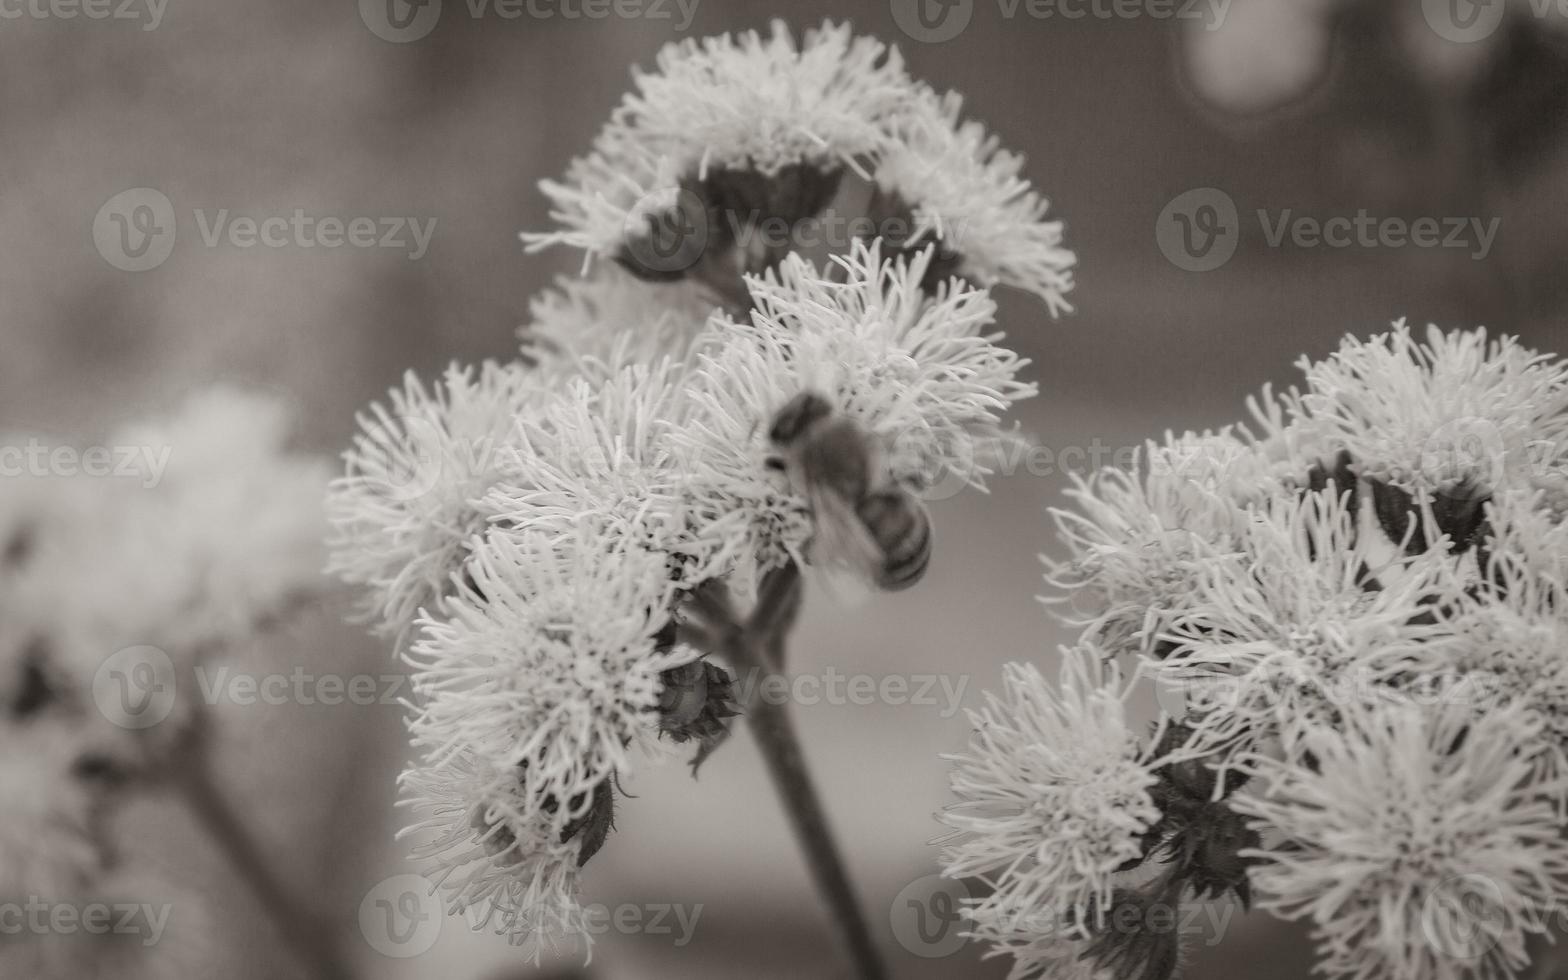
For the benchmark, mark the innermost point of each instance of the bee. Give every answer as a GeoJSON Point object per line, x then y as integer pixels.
{"type": "Point", "coordinates": [865, 522]}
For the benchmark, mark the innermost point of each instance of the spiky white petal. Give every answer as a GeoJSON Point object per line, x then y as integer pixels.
{"type": "Point", "coordinates": [1415, 840]}
{"type": "Point", "coordinates": [549, 658]}
{"type": "Point", "coordinates": [608, 455]}
{"type": "Point", "coordinates": [744, 101]}
{"type": "Point", "coordinates": [1053, 794]}
{"type": "Point", "coordinates": [1303, 620]}
{"type": "Point", "coordinates": [1510, 625]}
{"type": "Point", "coordinates": [741, 102]}
{"type": "Point", "coordinates": [1139, 540]}
{"type": "Point", "coordinates": [966, 192]}
{"type": "Point", "coordinates": [1459, 409]}
{"type": "Point", "coordinates": [411, 497]}
{"type": "Point", "coordinates": [494, 852]}
{"type": "Point", "coordinates": [603, 193]}
{"type": "Point", "coordinates": [612, 319]}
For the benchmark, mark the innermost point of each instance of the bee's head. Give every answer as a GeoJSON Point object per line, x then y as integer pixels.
{"type": "Point", "coordinates": [797, 417]}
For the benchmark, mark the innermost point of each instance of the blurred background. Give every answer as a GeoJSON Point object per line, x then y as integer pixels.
{"type": "Point", "coordinates": [1158, 139]}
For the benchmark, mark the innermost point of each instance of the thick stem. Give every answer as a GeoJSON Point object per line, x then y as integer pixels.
{"type": "Point", "coordinates": [759, 644]}
{"type": "Point", "coordinates": [775, 734]}
{"type": "Point", "coordinates": [312, 946]}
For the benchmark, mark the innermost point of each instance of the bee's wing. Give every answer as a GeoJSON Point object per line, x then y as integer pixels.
{"type": "Point", "coordinates": [842, 554]}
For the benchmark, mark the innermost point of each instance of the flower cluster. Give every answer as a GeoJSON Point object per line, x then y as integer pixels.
{"type": "Point", "coordinates": [209, 533]}
{"type": "Point", "coordinates": [1354, 616]}
{"type": "Point", "coordinates": [532, 532]}
{"type": "Point", "coordinates": [733, 133]}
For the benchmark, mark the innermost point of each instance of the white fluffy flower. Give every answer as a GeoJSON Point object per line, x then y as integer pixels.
{"type": "Point", "coordinates": [733, 102]}
{"type": "Point", "coordinates": [409, 502]}
{"type": "Point", "coordinates": [1457, 411]}
{"type": "Point", "coordinates": [212, 536]}
{"type": "Point", "coordinates": [550, 659]}
{"type": "Point", "coordinates": [965, 192]}
{"type": "Point", "coordinates": [1511, 626]}
{"type": "Point", "coordinates": [925, 377]}
{"type": "Point", "coordinates": [1140, 540]}
{"type": "Point", "coordinates": [1053, 795]}
{"type": "Point", "coordinates": [495, 853]}
{"type": "Point", "coordinates": [602, 193]}
{"type": "Point", "coordinates": [1415, 841]}
{"type": "Point", "coordinates": [208, 528]}
{"type": "Point", "coordinates": [234, 510]}
{"type": "Point", "coordinates": [605, 456]}
{"type": "Point", "coordinates": [1303, 620]}
{"type": "Point", "coordinates": [748, 102]}
{"type": "Point", "coordinates": [1532, 527]}
{"type": "Point", "coordinates": [611, 319]}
